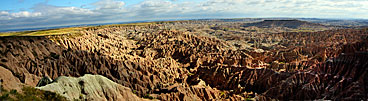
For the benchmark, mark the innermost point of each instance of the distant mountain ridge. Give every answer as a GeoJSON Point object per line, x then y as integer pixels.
{"type": "Point", "coordinates": [283, 23]}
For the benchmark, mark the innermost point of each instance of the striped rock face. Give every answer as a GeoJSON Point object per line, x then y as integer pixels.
{"type": "Point", "coordinates": [191, 60]}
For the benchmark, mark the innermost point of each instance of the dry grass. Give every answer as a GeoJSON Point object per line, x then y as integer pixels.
{"type": "Point", "coordinates": [59, 31]}
{"type": "Point", "coordinates": [70, 31]}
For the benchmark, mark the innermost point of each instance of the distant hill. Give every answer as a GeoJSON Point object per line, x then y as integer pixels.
{"type": "Point", "coordinates": [339, 22]}
{"type": "Point", "coordinates": [284, 23]}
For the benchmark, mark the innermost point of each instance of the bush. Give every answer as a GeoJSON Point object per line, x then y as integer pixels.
{"type": "Point", "coordinates": [31, 94]}
{"type": "Point", "coordinates": [147, 96]}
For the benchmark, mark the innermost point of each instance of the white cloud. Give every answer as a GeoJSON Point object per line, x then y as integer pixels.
{"type": "Point", "coordinates": [4, 13]}
{"type": "Point", "coordinates": [108, 4]}
{"type": "Point", "coordinates": [25, 14]}
{"type": "Point", "coordinates": [116, 11]}
{"type": "Point", "coordinates": [56, 10]}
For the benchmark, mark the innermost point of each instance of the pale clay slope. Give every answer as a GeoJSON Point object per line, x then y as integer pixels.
{"type": "Point", "coordinates": [8, 81]}
{"type": "Point", "coordinates": [90, 87]}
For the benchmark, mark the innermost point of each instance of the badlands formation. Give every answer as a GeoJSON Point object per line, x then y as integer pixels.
{"type": "Point", "coordinates": [193, 60]}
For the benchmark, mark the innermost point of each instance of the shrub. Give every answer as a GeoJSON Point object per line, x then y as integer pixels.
{"type": "Point", "coordinates": [147, 96]}
{"type": "Point", "coordinates": [31, 94]}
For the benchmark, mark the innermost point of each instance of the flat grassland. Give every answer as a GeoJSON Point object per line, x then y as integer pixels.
{"type": "Point", "coordinates": [70, 30]}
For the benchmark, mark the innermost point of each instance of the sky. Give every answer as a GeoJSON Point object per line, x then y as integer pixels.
{"type": "Point", "coordinates": [19, 14]}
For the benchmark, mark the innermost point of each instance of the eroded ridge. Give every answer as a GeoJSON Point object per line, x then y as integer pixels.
{"type": "Point", "coordinates": [175, 61]}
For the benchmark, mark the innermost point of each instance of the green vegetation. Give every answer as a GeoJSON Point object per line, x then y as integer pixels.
{"type": "Point", "coordinates": [135, 91]}
{"type": "Point", "coordinates": [30, 94]}
{"type": "Point", "coordinates": [222, 94]}
{"type": "Point", "coordinates": [250, 99]}
{"type": "Point", "coordinates": [60, 31]}
{"type": "Point", "coordinates": [147, 96]}
{"type": "Point", "coordinates": [190, 74]}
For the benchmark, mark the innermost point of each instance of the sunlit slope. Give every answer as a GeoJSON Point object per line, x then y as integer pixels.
{"type": "Point", "coordinates": [71, 30]}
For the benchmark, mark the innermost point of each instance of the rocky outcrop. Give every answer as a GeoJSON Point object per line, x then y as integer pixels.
{"type": "Point", "coordinates": [116, 57]}
{"type": "Point", "coordinates": [158, 61]}
{"type": "Point", "coordinates": [91, 88]}
{"type": "Point", "coordinates": [44, 81]}
{"type": "Point", "coordinates": [340, 78]}
{"type": "Point", "coordinates": [8, 81]}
